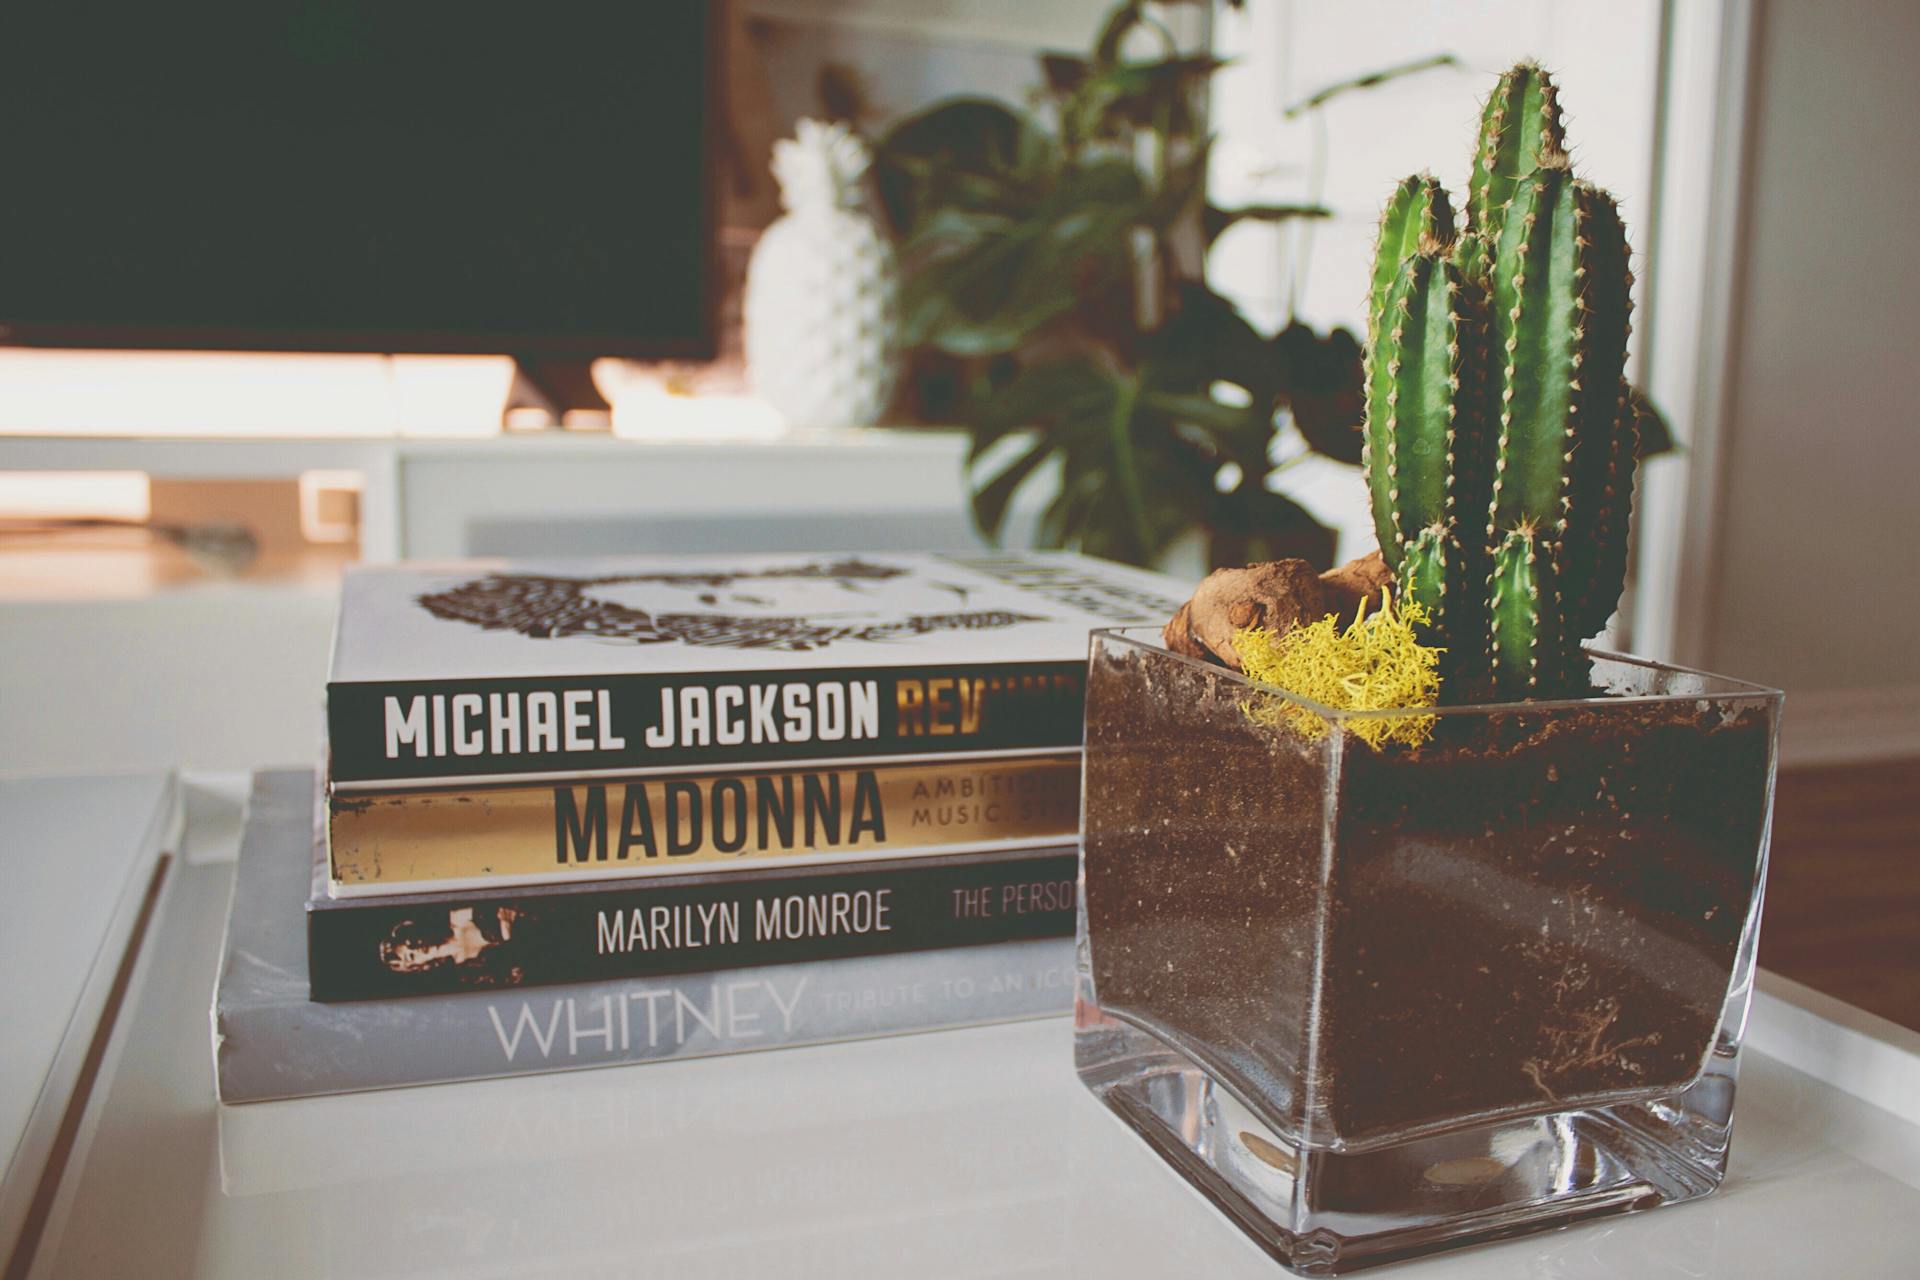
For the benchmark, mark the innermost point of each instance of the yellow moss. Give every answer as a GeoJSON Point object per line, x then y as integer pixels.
{"type": "Point", "coordinates": [1375, 664]}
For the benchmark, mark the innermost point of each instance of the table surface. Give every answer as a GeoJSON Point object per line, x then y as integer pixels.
{"type": "Point", "coordinates": [970, 1153]}
{"type": "Point", "coordinates": [71, 845]}
{"type": "Point", "coordinates": [76, 857]}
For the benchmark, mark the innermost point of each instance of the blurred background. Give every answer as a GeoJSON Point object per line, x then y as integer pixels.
{"type": "Point", "coordinates": [286, 284]}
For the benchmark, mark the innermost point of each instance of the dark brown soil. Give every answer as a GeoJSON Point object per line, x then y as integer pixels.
{"type": "Point", "coordinates": [1531, 911]}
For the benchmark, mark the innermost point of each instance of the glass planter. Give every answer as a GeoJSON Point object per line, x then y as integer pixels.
{"type": "Point", "coordinates": [1379, 1003]}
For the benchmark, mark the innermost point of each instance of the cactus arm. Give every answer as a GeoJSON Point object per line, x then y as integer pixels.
{"type": "Point", "coordinates": [1533, 319]}
{"type": "Point", "coordinates": [1605, 434]}
{"type": "Point", "coordinates": [1426, 441]}
{"type": "Point", "coordinates": [1425, 377]}
{"type": "Point", "coordinates": [1394, 359]}
{"type": "Point", "coordinates": [1438, 573]}
{"type": "Point", "coordinates": [1596, 555]}
{"type": "Point", "coordinates": [1424, 577]}
{"type": "Point", "coordinates": [1518, 126]}
{"type": "Point", "coordinates": [1473, 258]}
{"type": "Point", "coordinates": [1562, 306]}
{"type": "Point", "coordinates": [1560, 301]}
{"type": "Point", "coordinates": [1530, 656]}
{"type": "Point", "coordinates": [1418, 209]}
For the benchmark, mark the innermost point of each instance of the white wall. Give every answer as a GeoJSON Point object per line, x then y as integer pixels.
{"type": "Point", "coordinates": [1812, 585]}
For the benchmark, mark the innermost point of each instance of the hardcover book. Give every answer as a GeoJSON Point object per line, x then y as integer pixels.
{"type": "Point", "coordinates": [427, 944]}
{"type": "Point", "coordinates": [272, 1041]}
{"type": "Point", "coordinates": [530, 671]}
{"type": "Point", "coordinates": [526, 834]}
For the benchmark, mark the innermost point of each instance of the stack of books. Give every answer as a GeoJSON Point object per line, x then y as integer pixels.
{"type": "Point", "coordinates": [585, 812]}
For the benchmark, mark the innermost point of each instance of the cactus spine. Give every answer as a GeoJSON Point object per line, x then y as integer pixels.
{"type": "Point", "coordinates": [1501, 434]}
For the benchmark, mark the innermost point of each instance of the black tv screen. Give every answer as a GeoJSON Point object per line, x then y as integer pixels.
{"type": "Point", "coordinates": [357, 175]}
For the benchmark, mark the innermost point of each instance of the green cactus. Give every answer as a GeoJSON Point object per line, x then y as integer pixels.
{"type": "Point", "coordinates": [1560, 305]}
{"type": "Point", "coordinates": [1417, 211]}
{"type": "Point", "coordinates": [1596, 539]}
{"type": "Point", "coordinates": [1519, 124]}
{"type": "Point", "coordinates": [1501, 434]}
{"type": "Point", "coordinates": [1473, 256]}
{"type": "Point", "coordinates": [1427, 382]}
{"type": "Point", "coordinates": [1525, 627]}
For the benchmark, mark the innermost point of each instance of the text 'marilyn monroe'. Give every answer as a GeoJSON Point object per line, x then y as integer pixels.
{"type": "Point", "coordinates": [786, 916]}
{"type": "Point", "coordinates": [545, 722]}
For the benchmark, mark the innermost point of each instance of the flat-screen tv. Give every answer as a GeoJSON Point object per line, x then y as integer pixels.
{"type": "Point", "coordinates": [531, 178]}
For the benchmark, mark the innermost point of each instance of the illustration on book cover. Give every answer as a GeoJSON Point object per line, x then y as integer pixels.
{"type": "Point", "coordinates": [788, 607]}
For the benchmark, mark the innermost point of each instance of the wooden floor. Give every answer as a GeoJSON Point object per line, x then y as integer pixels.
{"type": "Point", "coordinates": [1843, 895]}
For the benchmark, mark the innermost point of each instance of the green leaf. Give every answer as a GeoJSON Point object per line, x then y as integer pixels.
{"type": "Point", "coordinates": [989, 296]}
{"type": "Point", "coordinates": [965, 150]}
{"type": "Point", "coordinates": [1127, 471]}
{"type": "Point", "coordinates": [946, 230]}
{"type": "Point", "coordinates": [1255, 524]}
{"type": "Point", "coordinates": [1132, 481]}
{"type": "Point", "coordinates": [991, 500]}
{"type": "Point", "coordinates": [1070, 519]}
{"type": "Point", "coordinates": [1325, 389]}
{"type": "Point", "coordinates": [1139, 95]}
{"type": "Point", "coordinates": [1656, 433]}
{"type": "Point", "coordinates": [1040, 396]}
{"type": "Point", "coordinates": [1064, 72]}
{"type": "Point", "coordinates": [1058, 401]}
{"type": "Point", "coordinates": [1113, 33]}
{"type": "Point", "coordinates": [1371, 80]}
{"type": "Point", "coordinates": [1181, 188]}
{"type": "Point", "coordinates": [1201, 411]}
{"type": "Point", "coordinates": [1215, 220]}
{"type": "Point", "coordinates": [1206, 340]}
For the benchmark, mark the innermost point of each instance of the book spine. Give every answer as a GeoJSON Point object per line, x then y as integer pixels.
{"type": "Point", "coordinates": [490, 837]}
{"type": "Point", "coordinates": [446, 944]}
{"type": "Point", "coordinates": [293, 1048]}
{"type": "Point", "coordinates": [411, 733]}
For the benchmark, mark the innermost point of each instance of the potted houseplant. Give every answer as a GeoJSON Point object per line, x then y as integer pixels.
{"type": "Point", "coordinates": [1437, 926]}
{"type": "Point", "coordinates": [1056, 304]}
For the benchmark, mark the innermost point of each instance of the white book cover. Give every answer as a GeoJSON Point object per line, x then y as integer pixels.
{"type": "Point", "coordinates": [500, 619]}
{"type": "Point", "coordinates": [531, 670]}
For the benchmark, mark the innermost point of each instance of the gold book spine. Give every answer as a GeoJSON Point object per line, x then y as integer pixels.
{"type": "Point", "coordinates": [642, 826]}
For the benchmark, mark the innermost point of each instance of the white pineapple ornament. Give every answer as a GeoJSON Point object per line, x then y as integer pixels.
{"type": "Point", "coordinates": [822, 292]}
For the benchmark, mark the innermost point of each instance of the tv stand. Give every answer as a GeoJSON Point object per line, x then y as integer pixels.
{"type": "Point", "coordinates": [551, 392]}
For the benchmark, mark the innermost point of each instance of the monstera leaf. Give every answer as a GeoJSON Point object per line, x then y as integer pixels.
{"type": "Point", "coordinates": [967, 153]}
{"type": "Point", "coordinates": [1322, 385]}
{"type": "Point", "coordinates": [1150, 454]}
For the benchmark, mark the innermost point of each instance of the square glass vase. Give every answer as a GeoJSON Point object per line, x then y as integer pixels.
{"type": "Point", "coordinates": [1378, 1003]}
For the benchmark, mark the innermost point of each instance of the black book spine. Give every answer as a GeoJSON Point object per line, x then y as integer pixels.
{"type": "Point", "coordinates": [448, 730]}
{"type": "Point", "coordinates": [380, 948]}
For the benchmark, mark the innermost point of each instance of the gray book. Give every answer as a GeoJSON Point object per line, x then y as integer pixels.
{"type": "Point", "coordinates": [270, 1041]}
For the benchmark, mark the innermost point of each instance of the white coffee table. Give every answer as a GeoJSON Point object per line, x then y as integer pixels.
{"type": "Point", "coordinates": [959, 1154]}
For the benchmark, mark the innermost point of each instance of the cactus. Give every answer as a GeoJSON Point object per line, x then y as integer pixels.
{"type": "Point", "coordinates": [1520, 124]}
{"type": "Point", "coordinates": [1501, 434]}
{"type": "Point", "coordinates": [1473, 258]}
{"type": "Point", "coordinates": [1427, 381]}
{"type": "Point", "coordinates": [1597, 539]}
{"type": "Point", "coordinates": [1560, 304]}
{"type": "Point", "coordinates": [1417, 211]}
{"type": "Point", "coordinates": [1525, 617]}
